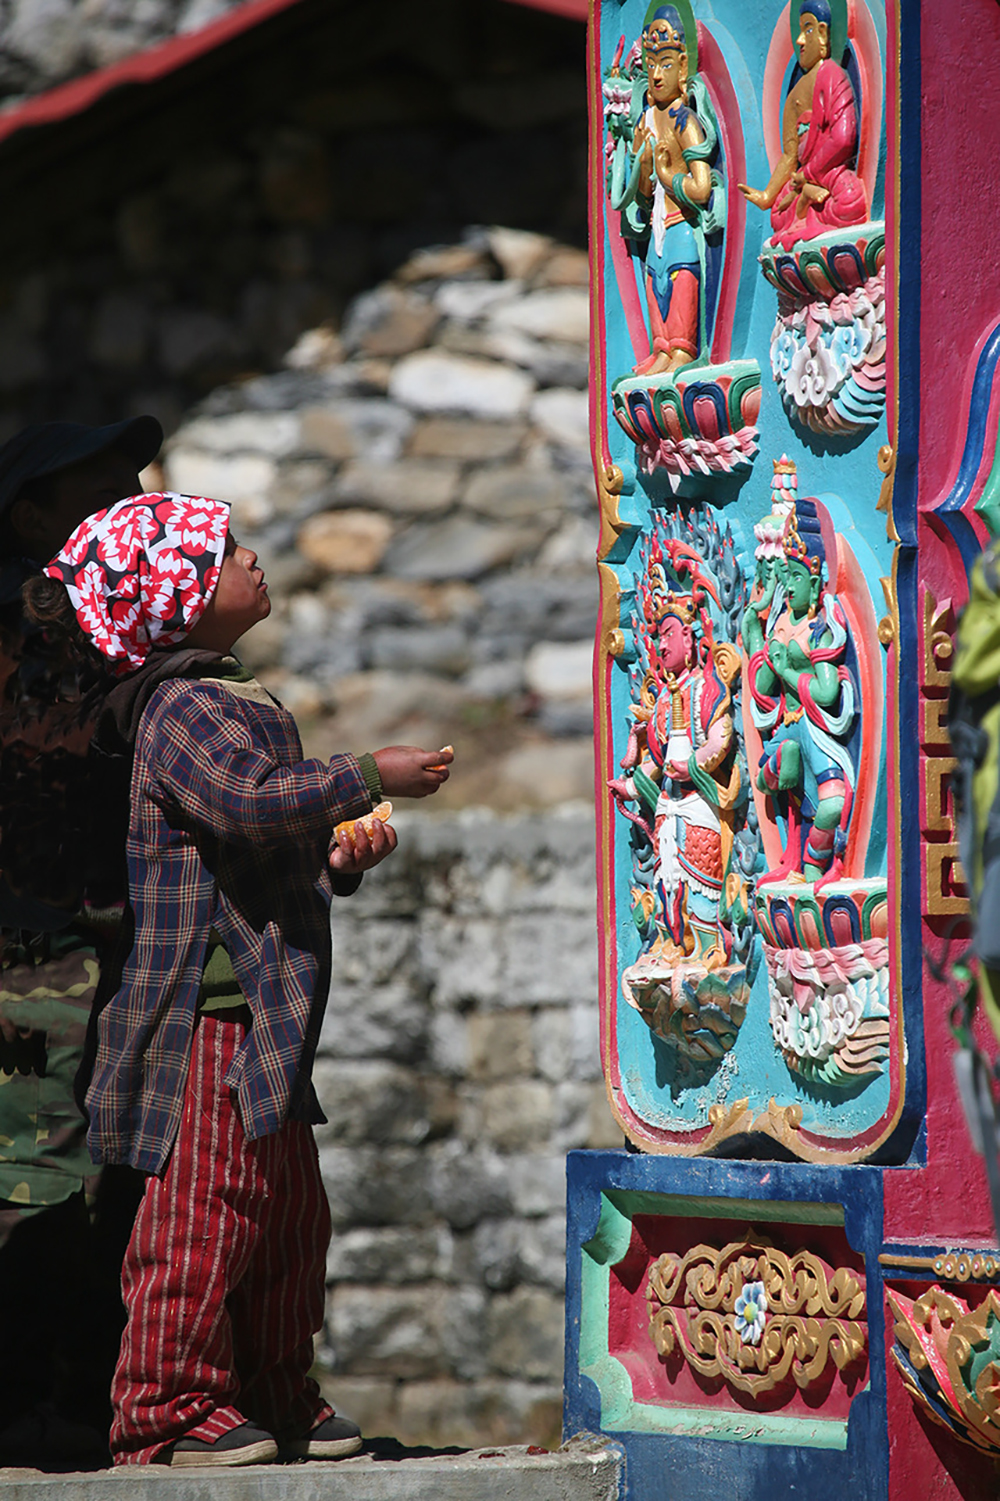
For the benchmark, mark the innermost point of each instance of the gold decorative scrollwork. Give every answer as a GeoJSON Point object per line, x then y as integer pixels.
{"type": "Point", "coordinates": [756, 1316]}
{"type": "Point", "coordinates": [610, 483]}
{"type": "Point", "coordinates": [886, 460]}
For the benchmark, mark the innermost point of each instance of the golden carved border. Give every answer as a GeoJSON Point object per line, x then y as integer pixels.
{"type": "Point", "coordinates": [756, 1316]}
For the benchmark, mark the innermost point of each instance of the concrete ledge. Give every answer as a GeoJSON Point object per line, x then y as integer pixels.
{"type": "Point", "coordinates": [583, 1470]}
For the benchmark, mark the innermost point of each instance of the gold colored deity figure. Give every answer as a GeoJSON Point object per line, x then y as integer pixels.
{"type": "Point", "coordinates": [669, 195]}
{"type": "Point", "coordinates": [814, 188]}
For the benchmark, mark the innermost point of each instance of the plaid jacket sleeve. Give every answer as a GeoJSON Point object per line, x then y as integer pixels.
{"type": "Point", "coordinates": [211, 765]}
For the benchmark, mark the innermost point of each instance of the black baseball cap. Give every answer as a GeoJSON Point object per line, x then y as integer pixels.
{"type": "Point", "coordinates": [46, 447]}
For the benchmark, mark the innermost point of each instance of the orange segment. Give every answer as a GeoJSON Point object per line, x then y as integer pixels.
{"type": "Point", "coordinates": [383, 813]}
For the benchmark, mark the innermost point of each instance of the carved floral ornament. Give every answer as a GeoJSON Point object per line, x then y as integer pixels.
{"type": "Point", "coordinates": [755, 1316]}
{"type": "Point", "coordinates": [949, 1357]}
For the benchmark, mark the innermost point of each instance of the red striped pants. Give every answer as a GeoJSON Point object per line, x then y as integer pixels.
{"type": "Point", "coordinates": [223, 1277]}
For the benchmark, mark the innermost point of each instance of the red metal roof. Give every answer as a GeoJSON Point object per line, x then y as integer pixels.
{"type": "Point", "coordinates": [72, 98]}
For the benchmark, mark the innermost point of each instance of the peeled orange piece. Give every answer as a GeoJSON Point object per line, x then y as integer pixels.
{"type": "Point", "coordinates": [383, 813]}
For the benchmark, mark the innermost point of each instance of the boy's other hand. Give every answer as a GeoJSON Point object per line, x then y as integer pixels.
{"type": "Point", "coordinates": [408, 772]}
{"type": "Point", "coordinates": [368, 849]}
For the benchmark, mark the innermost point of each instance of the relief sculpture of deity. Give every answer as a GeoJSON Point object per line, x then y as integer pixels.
{"type": "Point", "coordinates": [683, 788]}
{"type": "Point", "coordinates": [803, 700]}
{"type": "Point", "coordinates": [814, 187]}
{"type": "Point", "coordinates": [821, 920]}
{"type": "Point", "coordinates": [668, 192]}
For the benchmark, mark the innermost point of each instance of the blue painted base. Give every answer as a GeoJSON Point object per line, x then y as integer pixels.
{"type": "Point", "coordinates": [748, 1457]}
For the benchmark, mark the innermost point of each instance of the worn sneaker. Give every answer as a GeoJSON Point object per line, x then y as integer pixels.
{"type": "Point", "coordinates": [334, 1438]}
{"type": "Point", "coordinates": [245, 1445]}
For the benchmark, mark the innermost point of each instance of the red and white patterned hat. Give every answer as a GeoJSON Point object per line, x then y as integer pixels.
{"type": "Point", "coordinates": [140, 573]}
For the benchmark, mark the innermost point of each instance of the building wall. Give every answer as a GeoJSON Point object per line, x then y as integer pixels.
{"type": "Point", "coordinates": [418, 487]}
{"type": "Point", "coordinates": [265, 251]}
{"type": "Point", "coordinates": [182, 234]}
{"type": "Point", "coordinates": [458, 1064]}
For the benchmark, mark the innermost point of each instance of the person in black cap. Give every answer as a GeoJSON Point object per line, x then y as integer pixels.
{"type": "Point", "coordinates": [55, 474]}
{"type": "Point", "coordinates": [62, 888]}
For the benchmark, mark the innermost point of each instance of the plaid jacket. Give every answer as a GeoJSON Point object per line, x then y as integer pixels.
{"type": "Point", "coordinates": [229, 829]}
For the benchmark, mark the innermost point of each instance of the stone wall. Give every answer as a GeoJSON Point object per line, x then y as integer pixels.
{"type": "Point", "coordinates": [420, 491]}
{"type": "Point", "coordinates": [459, 1063]}
{"type": "Point", "coordinates": [183, 234]}
{"type": "Point", "coordinates": [418, 484]}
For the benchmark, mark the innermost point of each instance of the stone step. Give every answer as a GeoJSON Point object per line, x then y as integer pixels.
{"type": "Point", "coordinates": [583, 1470]}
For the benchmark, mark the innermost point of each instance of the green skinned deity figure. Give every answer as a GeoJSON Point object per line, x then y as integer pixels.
{"type": "Point", "coordinates": [803, 701]}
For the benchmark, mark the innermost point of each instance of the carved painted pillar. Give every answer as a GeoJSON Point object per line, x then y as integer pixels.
{"type": "Point", "coordinates": [794, 406]}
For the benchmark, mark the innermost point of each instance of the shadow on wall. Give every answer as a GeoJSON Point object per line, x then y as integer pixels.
{"type": "Point", "coordinates": [184, 233]}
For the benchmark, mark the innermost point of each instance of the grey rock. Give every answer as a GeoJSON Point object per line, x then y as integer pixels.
{"type": "Point", "coordinates": [468, 301]}
{"type": "Point", "coordinates": [567, 1042]}
{"type": "Point", "coordinates": [275, 434]}
{"type": "Point", "coordinates": [561, 313]}
{"type": "Point", "coordinates": [514, 491]}
{"type": "Point", "coordinates": [387, 1020]}
{"type": "Point", "coordinates": [520, 252]}
{"type": "Point", "coordinates": [469, 1414]}
{"type": "Point", "coordinates": [500, 679]}
{"type": "Point", "coordinates": [442, 648]}
{"type": "Point", "coordinates": [551, 362]}
{"type": "Point", "coordinates": [464, 958]}
{"type": "Point", "coordinates": [511, 1251]}
{"type": "Point", "coordinates": [467, 1183]}
{"type": "Point", "coordinates": [563, 416]}
{"type": "Point", "coordinates": [448, 1043]}
{"type": "Point", "coordinates": [513, 1115]}
{"type": "Point", "coordinates": [499, 1044]}
{"type": "Point", "coordinates": [369, 950]}
{"type": "Point", "coordinates": [369, 1186]}
{"type": "Point", "coordinates": [466, 438]}
{"type": "Point", "coordinates": [388, 1329]}
{"type": "Point", "coordinates": [461, 1333]}
{"type": "Point", "coordinates": [348, 428]}
{"type": "Point", "coordinates": [537, 1182]}
{"type": "Point", "coordinates": [547, 607]}
{"type": "Point", "coordinates": [370, 1102]}
{"type": "Point", "coordinates": [525, 1333]}
{"type": "Point", "coordinates": [566, 719]}
{"type": "Point", "coordinates": [548, 958]}
{"type": "Point", "coordinates": [409, 487]}
{"type": "Point", "coordinates": [391, 1255]}
{"type": "Point", "coordinates": [435, 381]}
{"type": "Point", "coordinates": [459, 548]}
{"type": "Point", "coordinates": [389, 322]}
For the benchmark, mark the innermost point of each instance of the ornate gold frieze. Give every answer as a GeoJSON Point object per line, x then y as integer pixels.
{"type": "Point", "coordinates": [755, 1315]}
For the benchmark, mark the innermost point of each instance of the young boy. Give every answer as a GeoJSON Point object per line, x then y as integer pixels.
{"type": "Point", "coordinates": [204, 1056]}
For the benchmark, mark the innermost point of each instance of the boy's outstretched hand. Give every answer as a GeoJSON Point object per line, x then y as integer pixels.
{"type": "Point", "coordinates": [349, 859]}
{"type": "Point", "coordinates": [408, 772]}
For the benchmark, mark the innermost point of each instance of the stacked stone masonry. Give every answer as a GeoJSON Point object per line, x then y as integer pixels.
{"type": "Point", "coordinates": [458, 1064]}
{"type": "Point", "coordinates": [419, 488]}
{"type": "Point", "coordinates": [418, 484]}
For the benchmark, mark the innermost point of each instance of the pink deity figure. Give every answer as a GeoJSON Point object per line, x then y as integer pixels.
{"type": "Point", "coordinates": [813, 188]}
{"type": "Point", "coordinates": [803, 702]}
{"type": "Point", "coordinates": [681, 768]}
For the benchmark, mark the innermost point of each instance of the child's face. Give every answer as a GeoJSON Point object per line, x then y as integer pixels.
{"type": "Point", "coordinates": [239, 601]}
